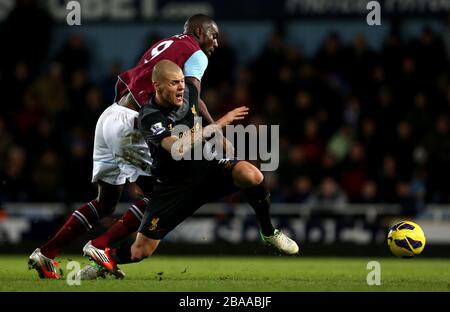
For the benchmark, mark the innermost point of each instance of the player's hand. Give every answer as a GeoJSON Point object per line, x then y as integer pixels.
{"type": "Point", "coordinates": [232, 116]}
{"type": "Point", "coordinates": [137, 158]}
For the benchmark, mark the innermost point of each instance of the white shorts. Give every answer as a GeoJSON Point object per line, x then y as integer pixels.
{"type": "Point", "coordinates": [120, 151]}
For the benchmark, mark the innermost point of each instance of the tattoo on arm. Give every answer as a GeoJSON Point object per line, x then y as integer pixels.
{"type": "Point", "coordinates": [180, 146]}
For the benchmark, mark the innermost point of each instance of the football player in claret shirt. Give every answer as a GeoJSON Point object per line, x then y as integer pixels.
{"type": "Point", "coordinates": [120, 152]}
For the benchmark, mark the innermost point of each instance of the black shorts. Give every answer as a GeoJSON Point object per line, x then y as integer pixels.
{"type": "Point", "coordinates": [173, 202]}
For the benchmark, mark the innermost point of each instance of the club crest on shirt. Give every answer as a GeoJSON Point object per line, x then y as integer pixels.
{"type": "Point", "coordinates": [157, 128]}
{"type": "Point", "coordinates": [154, 224]}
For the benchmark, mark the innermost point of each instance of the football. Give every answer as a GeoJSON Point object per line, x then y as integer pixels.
{"type": "Point", "coordinates": [406, 239]}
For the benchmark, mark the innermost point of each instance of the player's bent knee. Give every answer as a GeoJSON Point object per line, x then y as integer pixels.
{"type": "Point", "coordinates": [246, 175]}
{"type": "Point", "coordinates": [257, 177]}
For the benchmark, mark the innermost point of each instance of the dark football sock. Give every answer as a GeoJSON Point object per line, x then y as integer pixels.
{"type": "Point", "coordinates": [259, 198]}
{"type": "Point", "coordinates": [78, 223]}
{"type": "Point", "coordinates": [127, 224]}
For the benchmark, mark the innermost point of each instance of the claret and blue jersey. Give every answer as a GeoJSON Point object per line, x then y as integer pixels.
{"type": "Point", "coordinates": [183, 50]}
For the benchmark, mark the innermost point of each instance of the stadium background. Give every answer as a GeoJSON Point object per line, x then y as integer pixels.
{"type": "Point", "coordinates": [363, 113]}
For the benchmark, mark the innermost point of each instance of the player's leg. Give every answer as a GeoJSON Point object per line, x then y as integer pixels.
{"type": "Point", "coordinates": [79, 222]}
{"type": "Point", "coordinates": [107, 174]}
{"type": "Point", "coordinates": [129, 222]}
{"type": "Point", "coordinates": [250, 179]}
{"type": "Point", "coordinates": [84, 218]}
{"type": "Point", "coordinates": [99, 249]}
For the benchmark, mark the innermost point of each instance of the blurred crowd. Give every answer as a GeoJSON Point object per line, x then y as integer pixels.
{"type": "Point", "coordinates": [357, 125]}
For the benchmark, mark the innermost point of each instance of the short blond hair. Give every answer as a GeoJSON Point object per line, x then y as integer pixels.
{"type": "Point", "coordinates": [162, 68]}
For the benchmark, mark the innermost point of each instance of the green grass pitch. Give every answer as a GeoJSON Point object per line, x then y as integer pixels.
{"type": "Point", "coordinates": [220, 274]}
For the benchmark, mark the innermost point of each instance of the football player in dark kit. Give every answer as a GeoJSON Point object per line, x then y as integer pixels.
{"type": "Point", "coordinates": [186, 185]}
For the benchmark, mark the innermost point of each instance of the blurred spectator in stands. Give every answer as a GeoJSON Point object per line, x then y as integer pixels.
{"type": "Point", "coordinates": [51, 90]}
{"type": "Point", "coordinates": [297, 115]}
{"type": "Point", "coordinates": [393, 50]}
{"type": "Point", "coordinates": [29, 116]}
{"type": "Point", "coordinates": [272, 110]}
{"type": "Point", "coordinates": [402, 148]}
{"type": "Point", "coordinates": [437, 145]}
{"type": "Point", "coordinates": [385, 113]}
{"type": "Point", "coordinates": [285, 82]}
{"type": "Point", "coordinates": [78, 87]}
{"type": "Point", "coordinates": [328, 195]}
{"type": "Point", "coordinates": [368, 136]}
{"type": "Point", "coordinates": [359, 64]}
{"type": "Point", "coordinates": [301, 191]}
{"type": "Point", "coordinates": [15, 86]}
{"type": "Point", "coordinates": [242, 97]}
{"type": "Point", "coordinates": [328, 167]}
{"type": "Point", "coordinates": [312, 143]}
{"type": "Point", "coordinates": [331, 55]}
{"type": "Point", "coordinates": [43, 137]}
{"type": "Point", "coordinates": [431, 57]}
{"type": "Point", "coordinates": [419, 116]}
{"type": "Point", "coordinates": [369, 193]}
{"type": "Point", "coordinates": [287, 75]}
{"type": "Point", "coordinates": [74, 56]}
{"type": "Point", "coordinates": [16, 183]}
{"type": "Point", "coordinates": [352, 112]}
{"type": "Point", "coordinates": [408, 80]}
{"type": "Point", "coordinates": [377, 83]}
{"type": "Point", "coordinates": [354, 172]}
{"type": "Point", "coordinates": [340, 142]}
{"type": "Point", "coordinates": [108, 86]}
{"type": "Point", "coordinates": [270, 60]}
{"type": "Point", "coordinates": [47, 176]}
{"type": "Point", "coordinates": [215, 106]}
{"type": "Point", "coordinates": [405, 198]}
{"type": "Point", "coordinates": [79, 165]}
{"type": "Point", "coordinates": [93, 107]}
{"type": "Point", "coordinates": [6, 141]}
{"type": "Point", "coordinates": [419, 189]}
{"type": "Point", "coordinates": [387, 180]}
{"type": "Point", "coordinates": [273, 184]}
{"type": "Point", "coordinates": [295, 166]}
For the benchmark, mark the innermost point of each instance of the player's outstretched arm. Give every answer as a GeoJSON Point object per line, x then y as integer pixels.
{"type": "Point", "coordinates": [179, 146]}
{"type": "Point", "coordinates": [234, 115]}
